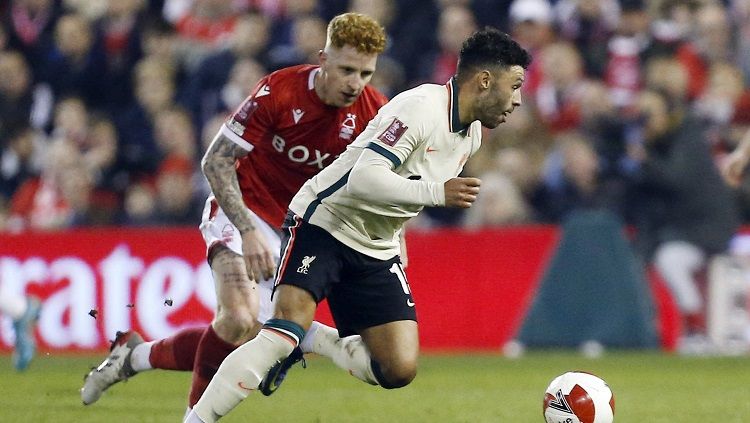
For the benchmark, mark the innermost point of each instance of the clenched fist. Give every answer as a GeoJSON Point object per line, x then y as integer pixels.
{"type": "Point", "coordinates": [461, 192]}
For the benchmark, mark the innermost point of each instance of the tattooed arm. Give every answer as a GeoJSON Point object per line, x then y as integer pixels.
{"type": "Point", "coordinates": [218, 166]}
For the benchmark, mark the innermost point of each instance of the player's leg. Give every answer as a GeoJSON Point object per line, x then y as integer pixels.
{"type": "Point", "coordinates": [244, 369]}
{"type": "Point", "coordinates": [237, 296]}
{"type": "Point", "coordinates": [235, 319]}
{"type": "Point", "coordinates": [371, 305]}
{"type": "Point", "coordinates": [203, 347]}
{"type": "Point", "coordinates": [349, 354]}
{"type": "Point", "coordinates": [309, 264]}
{"type": "Point", "coordinates": [24, 312]}
{"type": "Point", "coordinates": [376, 302]}
{"type": "Point", "coordinates": [384, 355]}
{"type": "Point", "coordinates": [319, 339]}
{"type": "Point", "coordinates": [394, 352]}
{"type": "Point", "coordinates": [678, 262]}
{"type": "Point", "coordinates": [130, 355]}
{"type": "Point", "coordinates": [176, 352]}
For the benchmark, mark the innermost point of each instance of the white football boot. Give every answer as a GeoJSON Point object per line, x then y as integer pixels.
{"type": "Point", "coordinates": [115, 368]}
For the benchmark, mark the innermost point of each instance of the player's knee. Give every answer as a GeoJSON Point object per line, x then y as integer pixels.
{"type": "Point", "coordinates": [403, 377]}
{"type": "Point", "coordinates": [237, 325]}
{"type": "Point", "coordinates": [397, 375]}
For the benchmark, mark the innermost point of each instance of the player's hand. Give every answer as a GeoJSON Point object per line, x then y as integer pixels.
{"type": "Point", "coordinates": [733, 167]}
{"type": "Point", "coordinates": [258, 256]}
{"type": "Point", "coordinates": [461, 192]}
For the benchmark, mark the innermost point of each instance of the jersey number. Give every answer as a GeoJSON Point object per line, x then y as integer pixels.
{"type": "Point", "coordinates": [397, 270]}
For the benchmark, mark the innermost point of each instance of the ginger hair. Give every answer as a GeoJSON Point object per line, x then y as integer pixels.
{"type": "Point", "coordinates": [358, 31]}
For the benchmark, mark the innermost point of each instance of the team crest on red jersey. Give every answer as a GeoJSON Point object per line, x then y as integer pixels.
{"type": "Point", "coordinates": [394, 131]}
{"type": "Point", "coordinates": [348, 126]}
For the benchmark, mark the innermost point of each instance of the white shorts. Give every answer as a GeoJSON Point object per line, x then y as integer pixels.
{"type": "Point", "coordinates": [216, 228]}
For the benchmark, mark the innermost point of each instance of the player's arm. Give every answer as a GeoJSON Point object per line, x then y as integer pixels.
{"type": "Point", "coordinates": [733, 166]}
{"type": "Point", "coordinates": [373, 179]}
{"type": "Point", "coordinates": [218, 165]}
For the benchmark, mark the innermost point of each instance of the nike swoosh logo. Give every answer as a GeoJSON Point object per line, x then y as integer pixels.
{"type": "Point", "coordinates": [242, 386]}
{"type": "Point", "coordinates": [430, 149]}
{"type": "Point", "coordinates": [410, 303]}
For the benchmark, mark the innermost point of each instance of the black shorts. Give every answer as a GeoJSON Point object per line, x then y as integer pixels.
{"type": "Point", "coordinates": [362, 291]}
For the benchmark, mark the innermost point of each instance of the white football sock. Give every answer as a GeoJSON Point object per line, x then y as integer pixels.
{"type": "Point", "coordinates": [349, 353]}
{"type": "Point", "coordinates": [187, 416]}
{"type": "Point", "coordinates": [307, 342]}
{"type": "Point", "coordinates": [139, 358]}
{"type": "Point", "coordinates": [191, 417]}
{"type": "Point", "coordinates": [678, 262]}
{"type": "Point", "coordinates": [241, 373]}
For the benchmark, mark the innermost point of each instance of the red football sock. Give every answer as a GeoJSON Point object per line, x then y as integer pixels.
{"type": "Point", "coordinates": [695, 323]}
{"type": "Point", "coordinates": [212, 350]}
{"type": "Point", "coordinates": [178, 351]}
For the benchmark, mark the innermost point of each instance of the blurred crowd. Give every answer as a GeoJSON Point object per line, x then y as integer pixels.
{"type": "Point", "coordinates": [106, 106]}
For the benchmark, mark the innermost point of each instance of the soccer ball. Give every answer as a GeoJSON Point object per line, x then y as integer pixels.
{"type": "Point", "coordinates": [578, 397]}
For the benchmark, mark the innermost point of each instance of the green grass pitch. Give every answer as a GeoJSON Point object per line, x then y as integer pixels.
{"type": "Point", "coordinates": [649, 388]}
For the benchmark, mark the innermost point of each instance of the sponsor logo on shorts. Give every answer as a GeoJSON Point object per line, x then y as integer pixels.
{"type": "Point", "coordinates": [306, 261]}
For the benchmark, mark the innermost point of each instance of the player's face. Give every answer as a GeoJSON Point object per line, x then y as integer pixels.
{"type": "Point", "coordinates": [344, 74]}
{"type": "Point", "coordinates": [502, 96]}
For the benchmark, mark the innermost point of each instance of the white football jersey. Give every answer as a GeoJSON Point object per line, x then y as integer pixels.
{"type": "Point", "coordinates": [420, 133]}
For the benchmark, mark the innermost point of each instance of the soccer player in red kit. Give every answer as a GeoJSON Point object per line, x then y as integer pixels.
{"type": "Point", "coordinates": [296, 121]}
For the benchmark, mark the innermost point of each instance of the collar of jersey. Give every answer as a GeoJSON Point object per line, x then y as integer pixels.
{"type": "Point", "coordinates": [454, 120]}
{"type": "Point", "coordinates": [311, 78]}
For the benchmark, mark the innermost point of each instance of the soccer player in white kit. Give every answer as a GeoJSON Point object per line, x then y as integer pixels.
{"type": "Point", "coordinates": [341, 238]}
{"type": "Point", "coordinates": [296, 122]}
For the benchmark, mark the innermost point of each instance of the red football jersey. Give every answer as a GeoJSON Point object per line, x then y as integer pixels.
{"type": "Point", "coordinates": [291, 135]}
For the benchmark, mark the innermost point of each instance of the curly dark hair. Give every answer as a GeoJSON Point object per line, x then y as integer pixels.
{"type": "Point", "coordinates": [490, 46]}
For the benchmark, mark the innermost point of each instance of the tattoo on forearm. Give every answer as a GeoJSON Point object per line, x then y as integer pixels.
{"type": "Point", "coordinates": [218, 166]}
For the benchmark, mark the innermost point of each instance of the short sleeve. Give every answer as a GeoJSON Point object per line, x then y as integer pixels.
{"type": "Point", "coordinates": [253, 117]}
